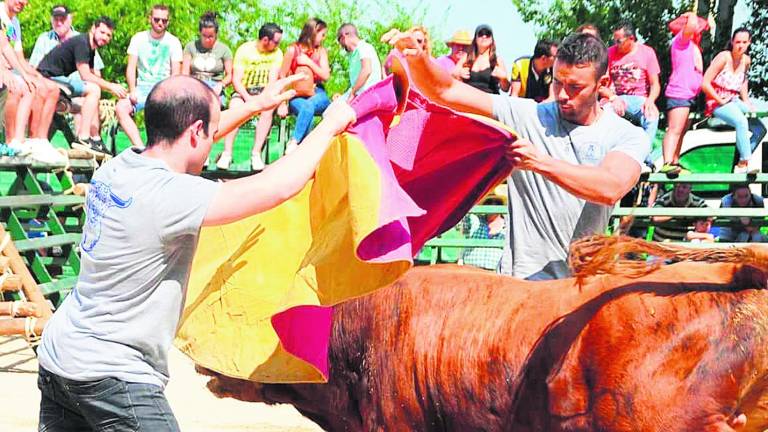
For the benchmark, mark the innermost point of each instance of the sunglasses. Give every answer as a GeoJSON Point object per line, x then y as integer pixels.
{"type": "Point", "coordinates": [619, 41]}
{"type": "Point", "coordinates": [160, 20]}
{"type": "Point", "coordinates": [484, 33]}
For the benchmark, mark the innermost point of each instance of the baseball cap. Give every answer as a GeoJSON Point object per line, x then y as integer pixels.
{"type": "Point", "coordinates": [59, 11]}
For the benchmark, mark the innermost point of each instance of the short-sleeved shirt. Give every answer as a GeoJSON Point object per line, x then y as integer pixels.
{"type": "Point", "coordinates": [687, 75]}
{"type": "Point", "coordinates": [154, 56]}
{"type": "Point", "coordinates": [48, 41]}
{"type": "Point", "coordinates": [256, 65]}
{"type": "Point", "coordinates": [446, 62]}
{"type": "Point", "coordinates": [544, 217]}
{"type": "Point", "coordinates": [208, 64]}
{"type": "Point", "coordinates": [532, 85]}
{"type": "Point", "coordinates": [676, 229]}
{"type": "Point", "coordinates": [63, 60]}
{"type": "Point", "coordinates": [364, 50]}
{"type": "Point", "coordinates": [11, 28]}
{"type": "Point", "coordinates": [630, 73]}
{"type": "Point", "coordinates": [139, 238]}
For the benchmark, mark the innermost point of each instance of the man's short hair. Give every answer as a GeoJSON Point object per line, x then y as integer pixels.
{"type": "Point", "coordinates": [628, 27]}
{"type": "Point", "coordinates": [346, 28]}
{"type": "Point", "coordinates": [172, 108]}
{"type": "Point", "coordinates": [582, 49]}
{"type": "Point", "coordinates": [107, 21]}
{"type": "Point", "coordinates": [544, 48]}
{"type": "Point", "coordinates": [269, 30]}
{"type": "Point", "coordinates": [160, 6]}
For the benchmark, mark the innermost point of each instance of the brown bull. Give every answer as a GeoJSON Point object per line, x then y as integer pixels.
{"type": "Point", "coordinates": [447, 348]}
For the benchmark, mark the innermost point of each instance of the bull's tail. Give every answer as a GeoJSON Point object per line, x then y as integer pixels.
{"type": "Point", "coordinates": [613, 255]}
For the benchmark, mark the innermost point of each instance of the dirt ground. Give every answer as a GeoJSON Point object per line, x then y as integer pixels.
{"type": "Point", "coordinates": [196, 409]}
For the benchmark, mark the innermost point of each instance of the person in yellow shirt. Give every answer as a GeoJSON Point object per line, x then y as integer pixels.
{"type": "Point", "coordinates": [256, 64]}
{"type": "Point", "coordinates": [532, 76]}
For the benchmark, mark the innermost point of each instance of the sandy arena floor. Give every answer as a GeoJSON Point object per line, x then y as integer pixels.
{"type": "Point", "coordinates": [195, 407]}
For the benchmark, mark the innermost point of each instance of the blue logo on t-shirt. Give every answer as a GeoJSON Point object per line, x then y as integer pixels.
{"type": "Point", "coordinates": [98, 200]}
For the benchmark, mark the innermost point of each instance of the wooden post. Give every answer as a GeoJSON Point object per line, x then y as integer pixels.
{"type": "Point", "coordinates": [28, 285]}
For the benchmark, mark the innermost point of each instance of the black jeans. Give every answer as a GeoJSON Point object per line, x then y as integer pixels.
{"type": "Point", "coordinates": [107, 404]}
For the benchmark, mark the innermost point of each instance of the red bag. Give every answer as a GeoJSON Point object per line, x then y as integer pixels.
{"type": "Point", "coordinates": [304, 87]}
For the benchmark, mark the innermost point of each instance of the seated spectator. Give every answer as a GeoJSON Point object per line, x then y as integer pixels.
{"type": "Point", "coordinates": [742, 230]}
{"type": "Point", "coordinates": [459, 44]}
{"type": "Point", "coordinates": [726, 86]}
{"type": "Point", "coordinates": [153, 55]}
{"type": "Point", "coordinates": [589, 29]}
{"type": "Point", "coordinates": [77, 54]}
{"type": "Point", "coordinates": [61, 30]}
{"type": "Point", "coordinates": [702, 232]}
{"type": "Point", "coordinates": [668, 229]}
{"type": "Point", "coordinates": [532, 76]}
{"type": "Point", "coordinates": [421, 36]}
{"type": "Point", "coordinates": [364, 65]}
{"type": "Point", "coordinates": [484, 69]}
{"type": "Point", "coordinates": [309, 56]}
{"type": "Point", "coordinates": [491, 226]}
{"type": "Point", "coordinates": [684, 85]}
{"type": "Point", "coordinates": [634, 72]}
{"type": "Point", "coordinates": [256, 64]}
{"type": "Point", "coordinates": [207, 58]}
{"type": "Point", "coordinates": [33, 107]}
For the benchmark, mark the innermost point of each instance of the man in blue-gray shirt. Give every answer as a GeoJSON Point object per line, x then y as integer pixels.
{"type": "Point", "coordinates": [104, 354]}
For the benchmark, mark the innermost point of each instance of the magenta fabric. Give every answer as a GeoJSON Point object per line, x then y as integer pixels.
{"type": "Point", "coordinates": [305, 332]}
{"type": "Point", "coordinates": [629, 73]}
{"type": "Point", "coordinates": [685, 80]}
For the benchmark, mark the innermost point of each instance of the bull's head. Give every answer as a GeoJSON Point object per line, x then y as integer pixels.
{"type": "Point", "coordinates": [98, 200]}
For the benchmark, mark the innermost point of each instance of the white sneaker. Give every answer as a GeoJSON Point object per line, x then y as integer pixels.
{"type": "Point", "coordinates": [256, 163]}
{"type": "Point", "coordinates": [225, 159]}
{"type": "Point", "coordinates": [44, 152]}
{"type": "Point", "coordinates": [22, 148]}
{"type": "Point", "coordinates": [745, 170]}
{"type": "Point", "coordinates": [291, 146]}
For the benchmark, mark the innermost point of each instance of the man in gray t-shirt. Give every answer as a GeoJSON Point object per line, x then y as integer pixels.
{"type": "Point", "coordinates": [104, 353]}
{"type": "Point", "coordinates": [573, 159]}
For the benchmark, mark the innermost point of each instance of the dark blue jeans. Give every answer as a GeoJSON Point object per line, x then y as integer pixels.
{"type": "Point", "coordinates": [305, 109]}
{"type": "Point", "coordinates": [107, 404]}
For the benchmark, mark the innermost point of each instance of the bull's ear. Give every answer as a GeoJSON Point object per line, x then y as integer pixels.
{"type": "Point", "coordinates": [567, 388]}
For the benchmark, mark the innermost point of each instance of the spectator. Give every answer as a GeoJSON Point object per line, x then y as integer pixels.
{"type": "Point", "coordinates": [15, 81]}
{"type": "Point", "coordinates": [532, 77]}
{"type": "Point", "coordinates": [573, 160]}
{"type": "Point", "coordinates": [257, 63]}
{"type": "Point", "coordinates": [634, 72]}
{"type": "Point", "coordinates": [702, 232]}
{"type": "Point", "coordinates": [77, 54]}
{"type": "Point", "coordinates": [364, 65]}
{"type": "Point", "coordinates": [742, 230]}
{"type": "Point", "coordinates": [726, 87]}
{"type": "Point", "coordinates": [589, 29]}
{"type": "Point", "coordinates": [207, 58]}
{"type": "Point", "coordinates": [153, 55]}
{"type": "Point", "coordinates": [667, 228]}
{"type": "Point", "coordinates": [61, 24]}
{"type": "Point", "coordinates": [421, 35]}
{"type": "Point", "coordinates": [483, 69]}
{"type": "Point", "coordinates": [491, 226]}
{"type": "Point", "coordinates": [308, 54]}
{"type": "Point", "coordinates": [684, 85]}
{"type": "Point", "coordinates": [459, 44]}
{"type": "Point", "coordinates": [38, 100]}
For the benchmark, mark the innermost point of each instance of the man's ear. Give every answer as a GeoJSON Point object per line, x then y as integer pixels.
{"type": "Point", "coordinates": [604, 81]}
{"type": "Point", "coordinates": [196, 131]}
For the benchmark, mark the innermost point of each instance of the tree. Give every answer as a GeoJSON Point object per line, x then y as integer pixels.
{"type": "Point", "coordinates": [239, 22]}
{"type": "Point", "coordinates": [758, 24]}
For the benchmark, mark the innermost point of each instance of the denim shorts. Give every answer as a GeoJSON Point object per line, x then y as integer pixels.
{"type": "Point", "coordinates": [77, 84]}
{"type": "Point", "coordinates": [673, 103]}
{"type": "Point", "coordinates": [106, 404]}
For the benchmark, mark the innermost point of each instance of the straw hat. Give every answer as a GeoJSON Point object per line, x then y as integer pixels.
{"type": "Point", "coordinates": [460, 37]}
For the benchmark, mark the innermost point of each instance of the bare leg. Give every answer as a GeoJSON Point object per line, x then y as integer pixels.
{"type": "Point", "coordinates": [677, 119]}
{"type": "Point", "coordinates": [263, 127]}
{"type": "Point", "coordinates": [124, 110]}
{"type": "Point", "coordinates": [90, 110]}
{"type": "Point", "coordinates": [230, 138]}
{"type": "Point", "coordinates": [42, 115]}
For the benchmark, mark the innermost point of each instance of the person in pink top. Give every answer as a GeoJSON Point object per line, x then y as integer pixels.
{"type": "Point", "coordinates": [459, 44]}
{"type": "Point", "coordinates": [726, 86]}
{"type": "Point", "coordinates": [684, 85]}
{"type": "Point", "coordinates": [634, 72]}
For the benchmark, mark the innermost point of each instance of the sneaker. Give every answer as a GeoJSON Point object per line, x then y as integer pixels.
{"type": "Point", "coordinates": [44, 152]}
{"type": "Point", "coordinates": [671, 170]}
{"type": "Point", "coordinates": [6, 150]}
{"type": "Point", "coordinates": [225, 159]}
{"type": "Point", "coordinates": [291, 146]}
{"type": "Point", "coordinates": [745, 170]}
{"type": "Point", "coordinates": [256, 163]}
{"type": "Point", "coordinates": [92, 146]}
{"type": "Point", "coordinates": [22, 148]}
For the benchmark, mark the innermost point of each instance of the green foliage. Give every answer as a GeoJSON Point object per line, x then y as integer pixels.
{"type": "Point", "coordinates": [239, 22]}
{"type": "Point", "coordinates": [758, 24]}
